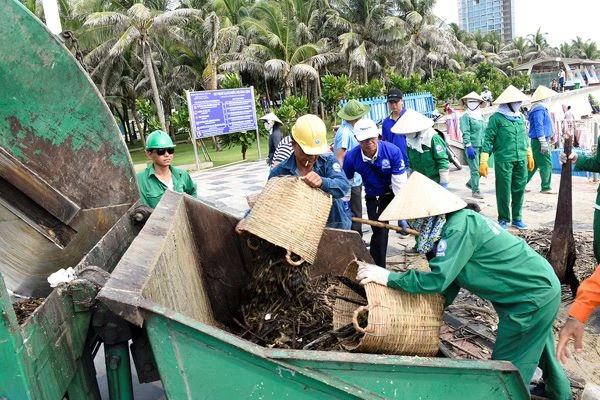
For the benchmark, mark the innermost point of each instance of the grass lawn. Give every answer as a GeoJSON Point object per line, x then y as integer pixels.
{"type": "Point", "coordinates": [185, 153]}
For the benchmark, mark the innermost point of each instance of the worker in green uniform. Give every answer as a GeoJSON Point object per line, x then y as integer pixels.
{"type": "Point", "coordinates": [472, 126]}
{"type": "Point", "coordinates": [505, 135]}
{"type": "Point", "coordinates": [160, 176]}
{"type": "Point", "coordinates": [541, 132]}
{"type": "Point", "coordinates": [468, 250]}
{"type": "Point", "coordinates": [426, 148]}
{"type": "Point", "coordinates": [591, 164]}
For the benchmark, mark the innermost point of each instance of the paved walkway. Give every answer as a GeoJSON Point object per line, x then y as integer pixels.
{"type": "Point", "coordinates": [226, 188]}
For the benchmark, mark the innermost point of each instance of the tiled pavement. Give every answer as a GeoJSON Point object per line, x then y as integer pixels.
{"type": "Point", "coordinates": [226, 188]}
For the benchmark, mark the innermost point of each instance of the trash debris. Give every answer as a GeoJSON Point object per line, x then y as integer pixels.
{"type": "Point", "coordinates": [61, 276]}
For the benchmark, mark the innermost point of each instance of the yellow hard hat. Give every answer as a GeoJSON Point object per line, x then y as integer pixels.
{"type": "Point", "coordinates": [310, 133]}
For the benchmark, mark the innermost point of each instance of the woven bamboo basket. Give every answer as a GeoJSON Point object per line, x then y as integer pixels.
{"type": "Point", "coordinates": [290, 214]}
{"type": "Point", "coordinates": [398, 322]}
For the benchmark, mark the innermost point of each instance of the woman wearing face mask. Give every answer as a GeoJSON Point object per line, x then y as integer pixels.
{"type": "Point", "coordinates": [505, 135]}
{"type": "Point", "coordinates": [472, 125]}
{"type": "Point", "coordinates": [426, 148]}
{"type": "Point", "coordinates": [540, 133]}
{"type": "Point", "coordinates": [272, 124]}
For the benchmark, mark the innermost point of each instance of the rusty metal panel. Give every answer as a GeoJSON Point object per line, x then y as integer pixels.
{"type": "Point", "coordinates": [66, 173]}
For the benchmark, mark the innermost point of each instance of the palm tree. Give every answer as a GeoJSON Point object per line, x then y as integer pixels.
{"type": "Point", "coordinates": [275, 51]}
{"type": "Point", "coordinates": [426, 34]}
{"type": "Point", "coordinates": [590, 50]}
{"type": "Point", "coordinates": [516, 48]}
{"type": "Point", "coordinates": [141, 27]}
{"type": "Point", "coordinates": [539, 45]}
{"type": "Point", "coordinates": [567, 50]}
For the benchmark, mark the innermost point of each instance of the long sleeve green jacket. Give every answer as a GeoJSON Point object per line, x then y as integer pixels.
{"type": "Point", "coordinates": [506, 139]}
{"type": "Point", "coordinates": [478, 255]}
{"type": "Point", "coordinates": [472, 130]}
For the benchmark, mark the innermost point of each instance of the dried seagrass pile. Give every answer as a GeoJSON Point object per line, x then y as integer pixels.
{"type": "Point", "coordinates": [284, 306]}
{"type": "Point", "coordinates": [25, 308]}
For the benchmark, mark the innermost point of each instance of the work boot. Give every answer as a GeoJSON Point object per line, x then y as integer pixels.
{"type": "Point", "coordinates": [469, 185]}
{"type": "Point", "coordinates": [519, 225]}
{"type": "Point", "coordinates": [548, 191]}
{"type": "Point", "coordinates": [503, 224]}
{"type": "Point", "coordinates": [477, 195]}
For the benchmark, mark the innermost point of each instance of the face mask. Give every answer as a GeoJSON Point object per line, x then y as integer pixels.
{"type": "Point", "coordinates": [472, 104]}
{"type": "Point", "coordinates": [267, 126]}
{"type": "Point", "coordinates": [514, 107]}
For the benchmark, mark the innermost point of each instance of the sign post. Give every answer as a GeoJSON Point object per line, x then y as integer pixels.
{"type": "Point", "coordinates": [220, 112]}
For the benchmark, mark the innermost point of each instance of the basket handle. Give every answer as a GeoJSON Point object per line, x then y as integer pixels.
{"type": "Point", "coordinates": [327, 293]}
{"type": "Point", "coordinates": [288, 258]}
{"type": "Point", "coordinates": [252, 246]}
{"type": "Point", "coordinates": [357, 312]}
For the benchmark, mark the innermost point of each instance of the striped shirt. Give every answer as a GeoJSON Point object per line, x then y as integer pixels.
{"type": "Point", "coordinates": [284, 150]}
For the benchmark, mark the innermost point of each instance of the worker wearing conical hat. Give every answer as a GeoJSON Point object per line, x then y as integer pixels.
{"type": "Point", "coordinates": [472, 125]}
{"type": "Point", "coordinates": [505, 135]}
{"type": "Point", "coordinates": [540, 133]}
{"type": "Point", "coordinates": [468, 250]}
{"type": "Point", "coordinates": [427, 152]}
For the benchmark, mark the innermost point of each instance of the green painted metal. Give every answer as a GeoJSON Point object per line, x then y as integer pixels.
{"type": "Point", "coordinates": [199, 361]}
{"type": "Point", "coordinates": [41, 357]}
{"type": "Point", "coordinates": [118, 371]}
{"type": "Point", "coordinates": [65, 170]}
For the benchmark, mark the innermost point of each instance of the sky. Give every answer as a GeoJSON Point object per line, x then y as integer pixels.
{"type": "Point", "coordinates": [562, 20]}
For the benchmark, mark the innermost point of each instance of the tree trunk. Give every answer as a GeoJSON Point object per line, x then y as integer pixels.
{"type": "Point", "coordinates": [244, 150]}
{"type": "Point", "coordinates": [136, 120]}
{"type": "Point", "coordinates": [320, 105]}
{"type": "Point", "coordinates": [155, 94]}
{"type": "Point", "coordinates": [366, 76]}
{"type": "Point", "coordinates": [350, 72]}
{"type": "Point", "coordinates": [412, 63]}
{"type": "Point", "coordinates": [287, 89]}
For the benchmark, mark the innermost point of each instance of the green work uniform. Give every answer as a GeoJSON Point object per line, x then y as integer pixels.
{"type": "Point", "coordinates": [472, 132]}
{"type": "Point", "coordinates": [592, 164]}
{"type": "Point", "coordinates": [476, 254]}
{"type": "Point", "coordinates": [543, 162]}
{"type": "Point", "coordinates": [508, 141]}
{"type": "Point", "coordinates": [433, 158]}
{"type": "Point", "coordinates": [152, 189]}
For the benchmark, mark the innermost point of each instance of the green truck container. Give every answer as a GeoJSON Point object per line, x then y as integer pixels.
{"type": "Point", "coordinates": [181, 279]}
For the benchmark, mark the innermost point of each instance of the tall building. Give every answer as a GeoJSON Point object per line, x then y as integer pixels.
{"type": "Point", "coordinates": [488, 16]}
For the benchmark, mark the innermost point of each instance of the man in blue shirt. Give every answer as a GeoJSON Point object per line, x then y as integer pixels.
{"type": "Point", "coordinates": [317, 167]}
{"type": "Point", "coordinates": [344, 141]}
{"type": "Point", "coordinates": [395, 104]}
{"type": "Point", "coordinates": [382, 168]}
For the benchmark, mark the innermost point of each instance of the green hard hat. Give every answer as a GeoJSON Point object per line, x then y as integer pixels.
{"type": "Point", "coordinates": [159, 140]}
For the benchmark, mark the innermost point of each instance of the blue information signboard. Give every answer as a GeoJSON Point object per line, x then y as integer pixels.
{"type": "Point", "coordinates": [219, 112]}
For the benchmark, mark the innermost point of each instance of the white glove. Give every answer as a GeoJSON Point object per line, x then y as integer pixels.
{"type": "Point", "coordinates": [372, 273]}
{"type": "Point", "coordinates": [61, 276]}
{"type": "Point", "coordinates": [563, 158]}
{"type": "Point", "coordinates": [544, 148]}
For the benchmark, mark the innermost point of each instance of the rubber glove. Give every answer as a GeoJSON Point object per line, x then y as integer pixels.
{"type": "Point", "coordinates": [404, 225]}
{"type": "Point", "coordinates": [471, 153]}
{"type": "Point", "coordinates": [372, 273]}
{"type": "Point", "coordinates": [530, 163]}
{"type": "Point", "coordinates": [483, 164]}
{"type": "Point", "coordinates": [444, 175]}
{"type": "Point", "coordinates": [563, 158]}
{"type": "Point", "coordinates": [545, 148]}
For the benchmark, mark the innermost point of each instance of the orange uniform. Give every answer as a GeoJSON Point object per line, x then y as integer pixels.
{"type": "Point", "coordinates": [588, 297]}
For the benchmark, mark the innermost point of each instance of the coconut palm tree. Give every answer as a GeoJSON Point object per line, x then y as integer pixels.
{"type": "Point", "coordinates": [141, 27]}
{"type": "Point", "coordinates": [275, 51]}
{"type": "Point", "coordinates": [589, 50]}
{"type": "Point", "coordinates": [539, 45]}
{"type": "Point", "coordinates": [567, 50]}
{"type": "Point", "coordinates": [426, 34]}
{"type": "Point", "coordinates": [517, 48]}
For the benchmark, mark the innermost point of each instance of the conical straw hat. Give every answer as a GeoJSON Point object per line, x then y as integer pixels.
{"type": "Point", "coordinates": [271, 117]}
{"type": "Point", "coordinates": [511, 95]}
{"type": "Point", "coordinates": [542, 93]}
{"type": "Point", "coordinates": [471, 96]}
{"type": "Point", "coordinates": [410, 122]}
{"type": "Point", "coordinates": [421, 197]}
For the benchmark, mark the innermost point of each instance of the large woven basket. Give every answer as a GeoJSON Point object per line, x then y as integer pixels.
{"type": "Point", "coordinates": [290, 214]}
{"type": "Point", "coordinates": [398, 322]}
